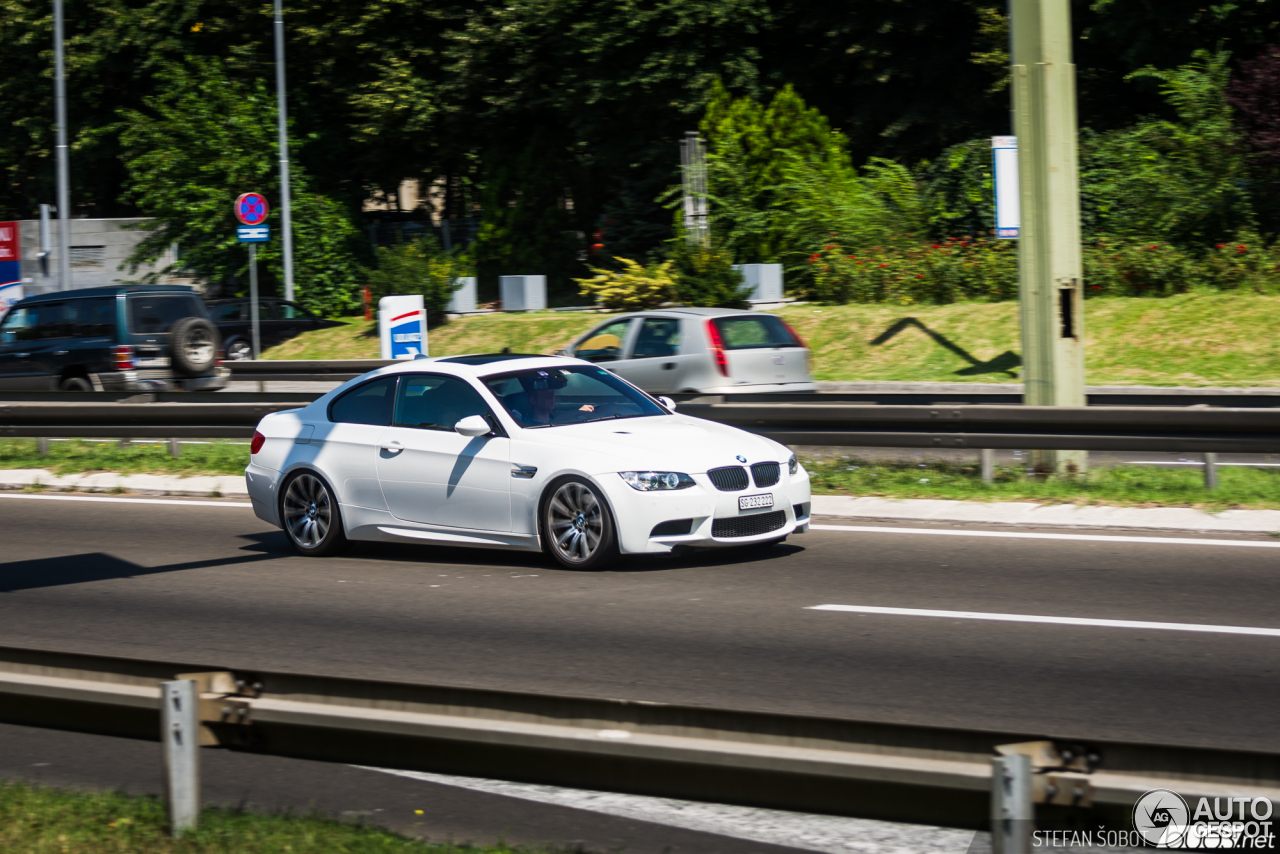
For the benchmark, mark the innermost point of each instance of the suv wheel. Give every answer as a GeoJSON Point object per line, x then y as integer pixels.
{"type": "Point", "coordinates": [75, 384]}
{"type": "Point", "coordinates": [193, 346]}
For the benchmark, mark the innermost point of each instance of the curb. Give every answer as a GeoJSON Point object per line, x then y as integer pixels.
{"type": "Point", "coordinates": [225, 486]}
{"type": "Point", "coordinates": [1027, 514]}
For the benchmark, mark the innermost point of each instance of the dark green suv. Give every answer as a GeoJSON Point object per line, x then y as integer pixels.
{"type": "Point", "coordinates": [117, 338]}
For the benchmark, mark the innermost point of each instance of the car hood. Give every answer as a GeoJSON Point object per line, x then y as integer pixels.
{"type": "Point", "coordinates": [664, 443]}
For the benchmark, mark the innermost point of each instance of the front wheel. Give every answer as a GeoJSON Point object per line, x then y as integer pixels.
{"type": "Point", "coordinates": [311, 518]}
{"type": "Point", "coordinates": [577, 526]}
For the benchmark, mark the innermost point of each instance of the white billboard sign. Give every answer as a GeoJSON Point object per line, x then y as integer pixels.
{"type": "Point", "coordinates": [1008, 211]}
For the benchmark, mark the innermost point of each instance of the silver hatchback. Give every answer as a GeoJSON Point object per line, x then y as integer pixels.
{"type": "Point", "coordinates": [700, 350]}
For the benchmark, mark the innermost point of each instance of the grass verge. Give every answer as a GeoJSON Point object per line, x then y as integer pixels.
{"type": "Point", "coordinates": [1130, 486]}
{"type": "Point", "coordinates": [78, 456]}
{"type": "Point", "coordinates": [35, 820]}
{"type": "Point", "coordinates": [1195, 339]}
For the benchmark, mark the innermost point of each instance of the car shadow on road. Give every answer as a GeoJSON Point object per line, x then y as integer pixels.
{"type": "Point", "coordinates": [96, 566]}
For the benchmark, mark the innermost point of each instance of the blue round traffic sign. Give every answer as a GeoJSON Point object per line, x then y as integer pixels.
{"type": "Point", "coordinates": [251, 208]}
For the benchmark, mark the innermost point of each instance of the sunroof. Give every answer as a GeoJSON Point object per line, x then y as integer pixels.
{"type": "Point", "coordinates": [488, 358]}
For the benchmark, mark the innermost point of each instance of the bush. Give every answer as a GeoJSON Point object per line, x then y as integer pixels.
{"type": "Point", "coordinates": [421, 267]}
{"type": "Point", "coordinates": [634, 288]}
{"type": "Point", "coordinates": [705, 277]}
{"type": "Point", "coordinates": [913, 272]}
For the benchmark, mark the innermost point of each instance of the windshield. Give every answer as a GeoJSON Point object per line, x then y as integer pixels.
{"type": "Point", "coordinates": [552, 397]}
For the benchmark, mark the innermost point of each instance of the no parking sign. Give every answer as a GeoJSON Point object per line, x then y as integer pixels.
{"type": "Point", "coordinates": [252, 208]}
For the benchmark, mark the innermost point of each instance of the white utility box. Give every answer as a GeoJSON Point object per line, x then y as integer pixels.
{"type": "Point", "coordinates": [464, 298]}
{"type": "Point", "coordinates": [765, 281]}
{"type": "Point", "coordinates": [524, 293]}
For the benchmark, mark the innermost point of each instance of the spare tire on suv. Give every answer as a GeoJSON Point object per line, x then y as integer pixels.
{"type": "Point", "coordinates": [193, 346]}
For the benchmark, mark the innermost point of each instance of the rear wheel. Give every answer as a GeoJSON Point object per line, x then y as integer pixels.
{"type": "Point", "coordinates": [239, 351]}
{"type": "Point", "coordinates": [76, 384]}
{"type": "Point", "coordinates": [577, 526]}
{"type": "Point", "coordinates": [193, 346]}
{"type": "Point", "coordinates": [311, 518]}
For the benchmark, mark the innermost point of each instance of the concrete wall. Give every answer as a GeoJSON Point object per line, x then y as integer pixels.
{"type": "Point", "coordinates": [99, 248]}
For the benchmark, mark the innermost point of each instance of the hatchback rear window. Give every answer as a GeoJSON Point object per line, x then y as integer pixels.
{"type": "Point", "coordinates": [150, 315]}
{"type": "Point", "coordinates": [753, 333]}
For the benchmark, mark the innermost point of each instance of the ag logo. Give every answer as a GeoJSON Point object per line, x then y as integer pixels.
{"type": "Point", "coordinates": [1161, 817]}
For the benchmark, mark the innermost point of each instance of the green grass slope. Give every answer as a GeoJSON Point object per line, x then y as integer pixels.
{"type": "Point", "coordinates": [1211, 339]}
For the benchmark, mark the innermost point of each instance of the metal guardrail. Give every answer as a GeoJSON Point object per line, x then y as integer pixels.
{"type": "Point", "coordinates": [1178, 429]}
{"type": "Point", "coordinates": [898, 772]}
{"type": "Point", "coordinates": [304, 370]}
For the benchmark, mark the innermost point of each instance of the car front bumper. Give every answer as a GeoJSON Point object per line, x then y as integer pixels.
{"type": "Point", "coordinates": [638, 513]}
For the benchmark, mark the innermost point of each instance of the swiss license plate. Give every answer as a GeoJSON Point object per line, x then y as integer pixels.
{"type": "Point", "coordinates": [752, 502]}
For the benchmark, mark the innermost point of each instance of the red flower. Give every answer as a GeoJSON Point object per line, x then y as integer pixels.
{"type": "Point", "coordinates": [919, 275]}
{"type": "Point", "coordinates": [813, 258]}
{"type": "Point", "coordinates": [1220, 246]}
{"type": "Point", "coordinates": [936, 246]}
{"type": "Point", "coordinates": [1153, 246]}
{"type": "Point", "coordinates": [884, 265]}
{"type": "Point", "coordinates": [828, 248]}
{"type": "Point", "coordinates": [1241, 248]}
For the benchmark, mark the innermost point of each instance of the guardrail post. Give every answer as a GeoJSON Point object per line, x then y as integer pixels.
{"type": "Point", "coordinates": [175, 449]}
{"type": "Point", "coordinates": [42, 447]}
{"type": "Point", "coordinates": [1012, 810]}
{"type": "Point", "coordinates": [180, 733]}
{"type": "Point", "coordinates": [988, 465]}
{"type": "Point", "coordinates": [1210, 470]}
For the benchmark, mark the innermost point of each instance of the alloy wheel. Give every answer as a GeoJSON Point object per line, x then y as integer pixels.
{"type": "Point", "coordinates": [577, 522]}
{"type": "Point", "coordinates": [308, 511]}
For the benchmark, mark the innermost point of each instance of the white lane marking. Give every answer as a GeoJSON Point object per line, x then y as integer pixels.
{"type": "Point", "coordinates": [1055, 621]}
{"type": "Point", "coordinates": [823, 833]}
{"type": "Point", "coordinates": [1026, 535]}
{"type": "Point", "coordinates": [172, 501]}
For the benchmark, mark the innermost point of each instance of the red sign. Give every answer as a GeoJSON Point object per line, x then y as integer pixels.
{"type": "Point", "coordinates": [10, 250]}
{"type": "Point", "coordinates": [251, 209]}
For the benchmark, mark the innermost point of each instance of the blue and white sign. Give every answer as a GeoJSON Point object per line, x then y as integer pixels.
{"type": "Point", "coordinates": [253, 233]}
{"type": "Point", "coordinates": [1008, 203]}
{"type": "Point", "coordinates": [402, 326]}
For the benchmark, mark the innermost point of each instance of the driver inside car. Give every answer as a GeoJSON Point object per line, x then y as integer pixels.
{"type": "Point", "coordinates": [539, 404]}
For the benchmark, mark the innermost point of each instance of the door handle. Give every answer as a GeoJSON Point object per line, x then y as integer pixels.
{"type": "Point", "coordinates": [669, 366]}
{"type": "Point", "coordinates": [61, 352]}
{"type": "Point", "coordinates": [392, 446]}
{"type": "Point", "coordinates": [22, 355]}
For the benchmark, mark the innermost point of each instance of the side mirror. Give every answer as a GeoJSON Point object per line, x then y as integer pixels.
{"type": "Point", "coordinates": [473, 426]}
{"type": "Point", "coordinates": [668, 403]}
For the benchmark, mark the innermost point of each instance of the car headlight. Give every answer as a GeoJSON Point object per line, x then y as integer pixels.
{"type": "Point", "coordinates": [793, 465]}
{"type": "Point", "coordinates": [648, 481]}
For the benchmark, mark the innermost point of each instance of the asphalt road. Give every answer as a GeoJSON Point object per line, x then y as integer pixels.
{"type": "Point", "coordinates": [211, 583]}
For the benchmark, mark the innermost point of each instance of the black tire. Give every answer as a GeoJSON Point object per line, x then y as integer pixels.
{"type": "Point", "coordinates": [239, 350]}
{"type": "Point", "coordinates": [193, 346]}
{"type": "Point", "coordinates": [310, 516]}
{"type": "Point", "coordinates": [75, 384]}
{"type": "Point", "coordinates": [577, 526]}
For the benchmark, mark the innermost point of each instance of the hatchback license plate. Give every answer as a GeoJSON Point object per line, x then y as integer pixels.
{"type": "Point", "coordinates": [752, 502]}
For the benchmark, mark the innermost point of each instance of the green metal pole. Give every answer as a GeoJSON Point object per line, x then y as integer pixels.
{"type": "Point", "coordinates": [1049, 267]}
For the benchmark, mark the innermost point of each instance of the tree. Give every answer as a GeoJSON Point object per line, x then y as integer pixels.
{"type": "Point", "coordinates": [203, 139]}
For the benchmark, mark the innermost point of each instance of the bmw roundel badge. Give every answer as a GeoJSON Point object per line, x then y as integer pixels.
{"type": "Point", "coordinates": [740, 458]}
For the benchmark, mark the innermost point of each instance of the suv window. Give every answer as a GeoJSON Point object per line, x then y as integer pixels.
{"type": "Point", "coordinates": [366, 404]}
{"type": "Point", "coordinates": [658, 337]}
{"type": "Point", "coordinates": [51, 321]}
{"type": "Point", "coordinates": [754, 333]}
{"type": "Point", "coordinates": [433, 402]}
{"type": "Point", "coordinates": [19, 325]}
{"type": "Point", "coordinates": [230, 312]}
{"type": "Point", "coordinates": [92, 318]}
{"type": "Point", "coordinates": [605, 344]}
{"type": "Point", "coordinates": [150, 315]}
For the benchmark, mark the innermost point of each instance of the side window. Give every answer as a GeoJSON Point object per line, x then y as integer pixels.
{"type": "Point", "coordinates": [92, 318]}
{"type": "Point", "coordinates": [366, 404]}
{"type": "Point", "coordinates": [604, 344]}
{"type": "Point", "coordinates": [289, 311]}
{"type": "Point", "coordinates": [658, 337]}
{"type": "Point", "coordinates": [433, 402]}
{"type": "Point", "coordinates": [52, 321]}
{"type": "Point", "coordinates": [19, 325]}
{"type": "Point", "coordinates": [150, 315]}
{"type": "Point", "coordinates": [230, 312]}
{"type": "Point", "coordinates": [265, 312]}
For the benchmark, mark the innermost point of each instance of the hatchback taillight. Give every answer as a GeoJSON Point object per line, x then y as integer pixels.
{"type": "Point", "coordinates": [792, 330]}
{"type": "Point", "coordinates": [124, 357]}
{"type": "Point", "coordinates": [257, 442]}
{"type": "Point", "coordinates": [717, 348]}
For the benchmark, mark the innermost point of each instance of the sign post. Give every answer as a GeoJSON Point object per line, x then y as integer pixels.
{"type": "Point", "coordinates": [402, 326]}
{"type": "Point", "coordinates": [252, 209]}
{"type": "Point", "coordinates": [1049, 264]}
